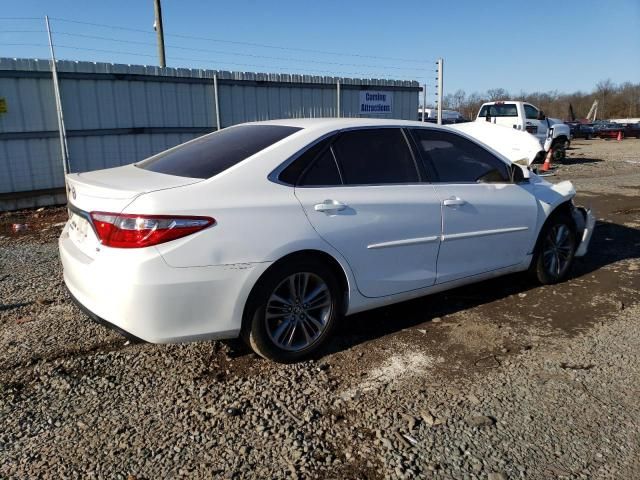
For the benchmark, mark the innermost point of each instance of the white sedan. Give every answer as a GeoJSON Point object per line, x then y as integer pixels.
{"type": "Point", "coordinates": [275, 231]}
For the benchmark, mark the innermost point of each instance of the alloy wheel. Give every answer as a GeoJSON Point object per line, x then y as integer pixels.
{"type": "Point", "coordinates": [298, 311]}
{"type": "Point", "coordinates": [558, 250]}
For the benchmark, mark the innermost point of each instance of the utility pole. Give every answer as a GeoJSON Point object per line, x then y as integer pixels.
{"type": "Point", "coordinates": [440, 64]}
{"type": "Point", "coordinates": [158, 28]}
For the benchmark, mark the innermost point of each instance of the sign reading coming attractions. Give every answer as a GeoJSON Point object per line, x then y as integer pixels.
{"type": "Point", "coordinates": [377, 103]}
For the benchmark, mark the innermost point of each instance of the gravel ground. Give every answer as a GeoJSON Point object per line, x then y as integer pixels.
{"type": "Point", "coordinates": [499, 380]}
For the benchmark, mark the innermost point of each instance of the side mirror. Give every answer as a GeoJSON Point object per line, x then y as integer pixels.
{"type": "Point", "coordinates": [541, 115]}
{"type": "Point", "coordinates": [519, 174]}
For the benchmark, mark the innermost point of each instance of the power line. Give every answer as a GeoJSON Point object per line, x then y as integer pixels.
{"type": "Point", "coordinates": [207, 61]}
{"type": "Point", "coordinates": [288, 59]}
{"type": "Point", "coordinates": [402, 70]}
{"type": "Point", "coordinates": [202, 60]}
{"type": "Point", "coordinates": [23, 31]}
{"type": "Point", "coordinates": [21, 18]}
{"type": "Point", "coordinates": [234, 42]}
{"type": "Point", "coordinates": [23, 45]}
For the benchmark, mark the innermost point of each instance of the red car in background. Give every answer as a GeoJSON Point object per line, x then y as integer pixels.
{"type": "Point", "coordinates": [608, 130]}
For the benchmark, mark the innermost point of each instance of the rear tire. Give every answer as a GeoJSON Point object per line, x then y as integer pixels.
{"type": "Point", "coordinates": [555, 250]}
{"type": "Point", "coordinates": [559, 154]}
{"type": "Point", "coordinates": [559, 147]}
{"type": "Point", "coordinates": [293, 310]}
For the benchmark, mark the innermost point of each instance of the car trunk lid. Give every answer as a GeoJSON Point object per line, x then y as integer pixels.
{"type": "Point", "coordinates": [109, 190]}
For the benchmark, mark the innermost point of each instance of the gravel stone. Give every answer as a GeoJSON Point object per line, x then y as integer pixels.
{"type": "Point", "coordinates": [397, 395]}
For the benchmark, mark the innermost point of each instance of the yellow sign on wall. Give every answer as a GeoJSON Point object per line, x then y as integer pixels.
{"type": "Point", "coordinates": [3, 105]}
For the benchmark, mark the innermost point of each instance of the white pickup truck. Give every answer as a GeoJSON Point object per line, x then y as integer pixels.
{"type": "Point", "coordinates": [550, 132]}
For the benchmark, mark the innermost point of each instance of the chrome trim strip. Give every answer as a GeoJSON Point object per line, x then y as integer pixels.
{"type": "Point", "coordinates": [402, 243]}
{"type": "Point", "coordinates": [482, 233]}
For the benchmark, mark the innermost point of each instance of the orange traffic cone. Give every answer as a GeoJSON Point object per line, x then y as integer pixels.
{"type": "Point", "coordinates": [546, 166]}
{"type": "Point", "coordinates": [619, 136]}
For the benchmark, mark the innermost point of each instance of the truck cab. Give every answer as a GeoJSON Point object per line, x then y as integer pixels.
{"type": "Point", "coordinates": [550, 132]}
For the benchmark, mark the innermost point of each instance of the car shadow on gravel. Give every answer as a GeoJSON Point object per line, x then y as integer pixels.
{"type": "Point", "coordinates": [611, 243]}
{"type": "Point", "coordinates": [580, 160]}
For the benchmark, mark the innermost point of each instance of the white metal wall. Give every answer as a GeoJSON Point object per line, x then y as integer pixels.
{"type": "Point", "coordinates": [117, 114]}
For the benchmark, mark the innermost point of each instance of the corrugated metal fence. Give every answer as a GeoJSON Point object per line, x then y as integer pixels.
{"type": "Point", "coordinates": [118, 114]}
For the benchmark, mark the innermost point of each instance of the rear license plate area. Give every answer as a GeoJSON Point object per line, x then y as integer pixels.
{"type": "Point", "coordinates": [78, 228]}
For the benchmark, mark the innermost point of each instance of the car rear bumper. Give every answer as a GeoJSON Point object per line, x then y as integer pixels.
{"type": "Point", "coordinates": [139, 294]}
{"type": "Point", "coordinates": [102, 321]}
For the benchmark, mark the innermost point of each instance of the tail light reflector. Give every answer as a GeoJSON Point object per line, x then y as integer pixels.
{"type": "Point", "coordinates": [137, 231]}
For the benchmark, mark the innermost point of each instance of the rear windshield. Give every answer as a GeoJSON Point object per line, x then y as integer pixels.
{"type": "Point", "coordinates": [211, 154]}
{"type": "Point", "coordinates": [499, 110]}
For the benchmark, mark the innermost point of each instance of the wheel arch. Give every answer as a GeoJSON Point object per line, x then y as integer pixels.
{"type": "Point", "coordinates": [340, 271]}
{"type": "Point", "coordinates": [563, 208]}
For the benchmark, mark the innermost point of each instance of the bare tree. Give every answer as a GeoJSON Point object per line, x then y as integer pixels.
{"type": "Point", "coordinates": [604, 89]}
{"type": "Point", "coordinates": [495, 94]}
{"type": "Point", "coordinates": [458, 99]}
{"type": "Point", "coordinates": [617, 101]}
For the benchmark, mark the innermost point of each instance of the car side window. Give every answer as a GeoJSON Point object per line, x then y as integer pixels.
{"type": "Point", "coordinates": [375, 156]}
{"type": "Point", "coordinates": [458, 160]}
{"type": "Point", "coordinates": [322, 172]}
{"type": "Point", "coordinates": [291, 174]}
{"type": "Point", "coordinates": [531, 113]}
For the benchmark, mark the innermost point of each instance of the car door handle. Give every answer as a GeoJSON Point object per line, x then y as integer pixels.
{"type": "Point", "coordinates": [329, 206]}
{"type": "Point", "coordinates": [453, 202]}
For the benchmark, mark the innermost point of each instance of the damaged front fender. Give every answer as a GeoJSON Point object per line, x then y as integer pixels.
{"type": "Point", "coordinates": [551, 196]}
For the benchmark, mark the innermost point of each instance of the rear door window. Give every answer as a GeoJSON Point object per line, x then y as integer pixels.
{"type": "Point", "coordinates": [291, 174]}
{"type": "Point", "coordinates": [456, 159]}
{"type": "Point", "coordinates": [323, 172]}
{"type": "Point", "coordinates": [212, 154]}
{"type": "Point", "coordinates": [375, 156]}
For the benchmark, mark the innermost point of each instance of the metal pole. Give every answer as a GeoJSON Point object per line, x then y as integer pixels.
{"type": "Point", "coordinates": [216, 100]}
{"type": "Point", "coordinates": [424, 103]}
{"type": "Point", "coordinates": [160, 32]}
{"type": "Point", "coordinates": [64, 149]}
{"type": "Point", "coordinates": [440, 95]}
{"type": "Point", "coordinates": [338, 99]}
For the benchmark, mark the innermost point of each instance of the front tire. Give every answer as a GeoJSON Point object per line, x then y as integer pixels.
{"type": "Point", "coordinates": [555, 250]}
{"type": "Point", "coordinates": [293, 310]}
{"type": "Point", "coordinates": [559, 154]}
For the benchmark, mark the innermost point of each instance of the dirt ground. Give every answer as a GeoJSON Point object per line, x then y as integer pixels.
{"type": "Point", "coordinates": [502, 379]}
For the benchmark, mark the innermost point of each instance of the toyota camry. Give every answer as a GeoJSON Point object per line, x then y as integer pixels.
{"type": "Point", "coordinates": [277, 231]}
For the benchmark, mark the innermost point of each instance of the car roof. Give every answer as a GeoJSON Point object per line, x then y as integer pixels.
{"type": "Point", "coordinates": [341, 123]}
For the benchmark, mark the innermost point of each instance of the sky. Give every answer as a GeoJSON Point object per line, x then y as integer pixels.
{"type": "Point", "coordinates": [520, 46]}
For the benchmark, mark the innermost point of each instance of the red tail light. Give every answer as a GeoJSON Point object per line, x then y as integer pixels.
{"type": "Point", "coordinates": [137, 231]}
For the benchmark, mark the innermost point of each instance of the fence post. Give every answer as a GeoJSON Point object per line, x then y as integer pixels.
{"type": "Point", "coordinates": [440, 92]}
{"type": "Point", "coordinates": [338, 99]}
{"type": "Point", "coordinates": [64, 149]}
{"type": "Point", "coordinates": [424, 103]}
{"type": "Point", "coordinates": [216, 100]}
